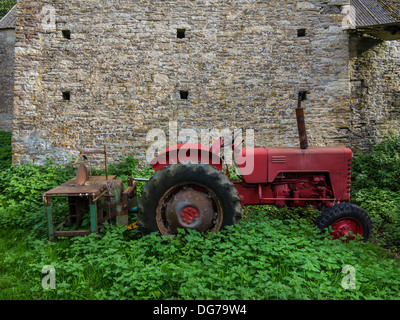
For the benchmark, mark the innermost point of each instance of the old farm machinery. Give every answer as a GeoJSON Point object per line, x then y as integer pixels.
{"type": "Point", "coordinates": [98, 198]}
{"type": "Point", "coordinates": [192, 189]}
{"type": "Point", "coordinates": [201, 196]}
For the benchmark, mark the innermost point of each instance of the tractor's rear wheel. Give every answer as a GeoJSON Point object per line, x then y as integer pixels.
{"type": "Point", "coordinates": [188, 196]}
{"type": "Point", "coordinates": [345, 219]}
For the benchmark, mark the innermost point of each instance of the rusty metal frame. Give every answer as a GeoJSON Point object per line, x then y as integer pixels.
{"type": "Point", "coordinates": [53, 232]}
{"type": "Point", "coordinates": [98, 199]}
{"type": "Point", "coordinates": [93, 193]}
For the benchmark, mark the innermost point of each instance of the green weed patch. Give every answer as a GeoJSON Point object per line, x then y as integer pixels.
{"type": "Point", "coordinates": [272, 254]}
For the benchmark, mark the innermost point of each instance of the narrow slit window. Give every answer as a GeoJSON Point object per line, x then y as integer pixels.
{"type": "Point", "coordinates": [66, 95]}
{"type": "Point", "coordinates": [180, 33]}
{"type": "Point", "coordinates": [303, 95]}
{"type": "Point", "coordinates": [301, 33]}
{"type": "Point", "coordinates": [66, 34]}
{"type": "Point", "coordinates": [184, 94]}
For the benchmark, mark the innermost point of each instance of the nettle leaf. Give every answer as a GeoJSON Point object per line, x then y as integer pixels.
{"type": "Point", "coordinates": [309, 266]}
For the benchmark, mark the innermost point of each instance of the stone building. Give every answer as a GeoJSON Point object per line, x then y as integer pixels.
{"type": "Point", "coordinates": [95, 72]}
{"type": "Point", "coordinates": [7, 40]}
{"type": "Point", "coordinates": [374, 71]}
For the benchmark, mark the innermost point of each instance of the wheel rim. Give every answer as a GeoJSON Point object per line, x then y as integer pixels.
{"type": "Point", "coordinates": [343, 227]}
{"type": "Point", "coordinates": [188, 206]}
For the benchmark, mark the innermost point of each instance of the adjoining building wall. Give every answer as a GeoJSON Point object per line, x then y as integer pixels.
{"type": "Point", "coordinates": [375, 79]}
{"type": "Point", "coordinates": [7, 40]}
{"type": "Point", "coordinates": [107, 72]}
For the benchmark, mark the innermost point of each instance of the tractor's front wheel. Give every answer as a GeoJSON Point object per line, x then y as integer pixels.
{"type": "Point", "coordinates": [188, 196]}
{"type": "Point", "coordinates": [345, 219]}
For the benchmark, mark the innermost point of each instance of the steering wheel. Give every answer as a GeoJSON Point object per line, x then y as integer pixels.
{"type": "Point", "coordinates": [232, 141]}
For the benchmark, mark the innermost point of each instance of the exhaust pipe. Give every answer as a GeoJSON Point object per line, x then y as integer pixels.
{"type": "Point", "coordinates": [300, 121]}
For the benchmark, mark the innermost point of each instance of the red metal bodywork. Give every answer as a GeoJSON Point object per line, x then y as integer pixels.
{"type": "Point", "coordinates": [297, 177]}
{"type": "Point", "coordinates": [186, 152]}
{"type": "Point", "coordinates": [281, 176]}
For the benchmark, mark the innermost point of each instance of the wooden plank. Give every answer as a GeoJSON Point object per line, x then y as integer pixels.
{"type": "Point", "coordinates": [71, 233]}
{"type": "Point", "coordinates": [94, 185]}
{"type": "Point", "coordinates": [102, 178]}
{"type": "Point", "coordinates": [130, 191]}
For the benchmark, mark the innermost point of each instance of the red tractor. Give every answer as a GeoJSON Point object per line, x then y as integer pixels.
{"type": "Point", "coordinates": [202, 196]}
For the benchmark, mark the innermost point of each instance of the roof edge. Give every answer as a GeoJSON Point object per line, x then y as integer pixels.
{"type": "Point", "coordinates": [4, 23]}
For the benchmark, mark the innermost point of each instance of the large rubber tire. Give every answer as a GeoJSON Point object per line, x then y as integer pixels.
{"type": "Point", "coordinates": [345, 212]}
{"type": "Point", "coordinates": [180, 174]}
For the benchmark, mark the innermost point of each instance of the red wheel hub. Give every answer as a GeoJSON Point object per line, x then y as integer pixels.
{"type": "Point", "coordinates": [187, 208]}
{"type": "Point", "coordinates": [189, 214]}
{"type": "Point", "coordinates": [344, 226]}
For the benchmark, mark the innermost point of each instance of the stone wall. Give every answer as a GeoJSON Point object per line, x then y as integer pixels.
{"type": "Point", "coordinates": [375, 81]}
{"type": "Point", "coordinates": [109, 71]}
{"type": "Point", "coordinates": [7, 39]}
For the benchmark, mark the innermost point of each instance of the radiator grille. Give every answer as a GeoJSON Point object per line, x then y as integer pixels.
{"type": "Point", "coordinates": [278, 159]}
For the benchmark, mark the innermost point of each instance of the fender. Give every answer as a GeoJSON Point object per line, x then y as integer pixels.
{"type": "Point", "coordinates": [185, 152]}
